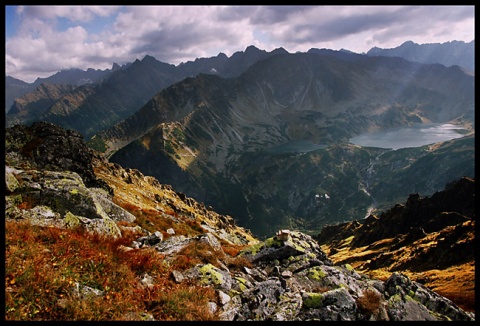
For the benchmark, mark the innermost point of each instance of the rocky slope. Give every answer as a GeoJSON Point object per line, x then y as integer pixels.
{"type": "Point", "coordinates": [53, 180]}
{"type": "Point", "coordinates": [53, 169]}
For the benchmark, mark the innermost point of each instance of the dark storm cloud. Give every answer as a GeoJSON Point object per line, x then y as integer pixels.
{"type": "Point", "coordinates": [260, 15]}
{"type": "Point", "coordinates": [276, 14]}
{"type": "Point", "coordinates": [330, 30]}
{"type": "Point", "coordinates": [383, 24]}
{"type": "Point", "coordinates": [165, 39]}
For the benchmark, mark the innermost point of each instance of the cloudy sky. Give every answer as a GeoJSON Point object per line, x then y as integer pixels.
{"type": "Point", "coordinates": [41, 40]}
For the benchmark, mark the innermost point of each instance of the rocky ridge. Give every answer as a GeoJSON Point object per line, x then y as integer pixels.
{"type": "Point", "coordinates": [54, 180]}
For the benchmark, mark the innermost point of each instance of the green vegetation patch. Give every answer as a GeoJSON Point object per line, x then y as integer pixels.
{"type": "Point", "coordinates": [349, 267]}
{"type": "Point", "coordinates": [313, 300]}
{"type": "Point", "coordinates": [71, 220]}
{"type": "Point", "coordinates": [241, 283]}
{"type": "Point", "coordinates": [97, 144]}
{"type": "Point", "coordinates": [316, 273]}
{"type": "Point", "coordinates": [268, 243]}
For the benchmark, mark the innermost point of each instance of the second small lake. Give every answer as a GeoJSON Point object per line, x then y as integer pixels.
{"type": "Point", "coordinates": [297, 146]}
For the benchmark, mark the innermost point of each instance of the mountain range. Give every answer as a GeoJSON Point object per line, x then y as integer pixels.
{"type": "Point", "coordinates": [449, 53]}
{"type": "Point", "coordinates": [143, 78]}
{"type": "Point", "coordinates": [211, 128]}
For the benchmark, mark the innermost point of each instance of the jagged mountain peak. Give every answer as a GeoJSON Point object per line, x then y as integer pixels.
{"type": "Point", "coordinates": [279, 50]}
{"type": "Point", "coordinates": [252, 48]}
{"type": "Point", "coordinates": [115, 66]}
{"type": "Point", "coordinates": [149, 58]}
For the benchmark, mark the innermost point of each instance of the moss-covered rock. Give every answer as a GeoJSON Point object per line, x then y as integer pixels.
{"type": "Point", "coordinates": [316, 273]}
{"type": "Point", "coordinates": [71, 220]}
{"type": "Point", "coordinates": [11, 183]}
{"type": "Point", "coordinates": [209, 275]}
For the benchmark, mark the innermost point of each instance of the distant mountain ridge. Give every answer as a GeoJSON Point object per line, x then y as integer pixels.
{"type": "Point", "coordinates": [15, 88]}
{"type": "Point", "coordinates": [448, 53]}
{"type": "Point", "coordinates": [126, 90]}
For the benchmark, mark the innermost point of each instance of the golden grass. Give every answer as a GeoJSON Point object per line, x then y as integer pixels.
{"type": "Point", "coordinates": [456, 283]}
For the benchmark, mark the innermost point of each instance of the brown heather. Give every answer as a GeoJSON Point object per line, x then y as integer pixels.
{"type": "Point", "coordinates": [43, 264]}
{"type": "Point", "coordinates": [369, 302]}
{"type": "Point", "coordinates": [197, 253]}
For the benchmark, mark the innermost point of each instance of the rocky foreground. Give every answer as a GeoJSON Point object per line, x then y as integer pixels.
{"type": "Point", "coordinates": [52, 179]}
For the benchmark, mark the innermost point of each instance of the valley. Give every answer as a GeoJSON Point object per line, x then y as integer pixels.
{"type": "Point", "coordinates": [261, 146]}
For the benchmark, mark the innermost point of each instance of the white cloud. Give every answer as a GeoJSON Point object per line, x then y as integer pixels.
{"type": "Point", "coordinates": [73, 13]}
{"type": "Point", "coordinates": [51, 38]}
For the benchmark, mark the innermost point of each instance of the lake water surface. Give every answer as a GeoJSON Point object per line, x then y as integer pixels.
{"type": "Point", "coordinates": [412, 136]}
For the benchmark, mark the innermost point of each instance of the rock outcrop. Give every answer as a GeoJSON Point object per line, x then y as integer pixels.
{"type": "Point", "coordinates": [293, 280]}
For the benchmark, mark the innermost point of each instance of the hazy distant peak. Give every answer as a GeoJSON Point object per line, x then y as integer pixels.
{"type": "Point", "coordinates": [447, 54]}
{"type": "Point", "coordinates": [148, 58]}
{"type": "Point", "coordinates": [280, 50]}
{"type": "Point", "coordinates": [252, 48]}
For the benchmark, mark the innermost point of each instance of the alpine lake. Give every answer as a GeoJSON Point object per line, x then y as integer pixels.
{"type": "Point", "coordinates": [412, 136]}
